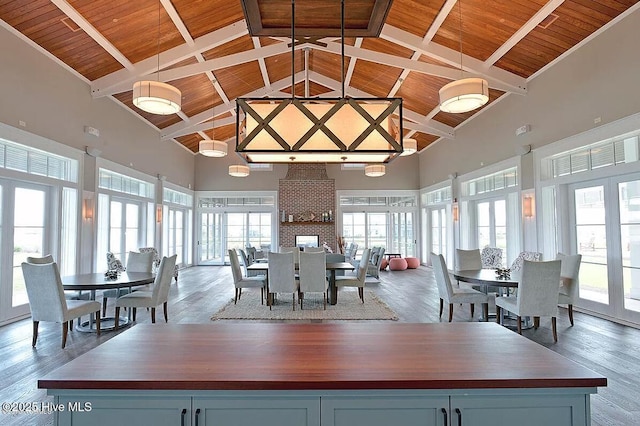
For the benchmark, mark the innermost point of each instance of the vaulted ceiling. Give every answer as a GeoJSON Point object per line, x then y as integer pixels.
{"type": "Point", "coordinates": [206, 51]}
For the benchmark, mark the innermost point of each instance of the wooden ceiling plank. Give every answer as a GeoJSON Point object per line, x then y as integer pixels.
{"type": "Point", "coordinates": [529, 26]}
{"type": "Point", "coordinates": [405, 73]}
{"type": "Point", "coordinates": [200, 127]}
{"type": "Point", "coordinates": [263, 66]}
{"type": "Point", "coordinates": [434, 127]}
{"type": "Point", "coordinates": [120, 80]}
{"type": "Point", "coordinates": [352, 63]}
{"type": "Point", "coordinates": [497, 78]}
{"type": "Point", "coordinates": [177, 21]}
{"type": "Point", "coordinates": [437, 23]}
{"type": "Point", "coordinates": [93, 33]}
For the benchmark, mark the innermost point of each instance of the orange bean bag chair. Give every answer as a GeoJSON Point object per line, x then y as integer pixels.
{"type": "Point", "coordinates": [397, 264]}
{"type": "Point", "coordinates": [412, 262]}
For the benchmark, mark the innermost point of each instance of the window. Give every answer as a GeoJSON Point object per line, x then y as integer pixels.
{"type": "Point", "coordinates": [33, 161]}
{"type": "Point", "coordinates": [176, 225]}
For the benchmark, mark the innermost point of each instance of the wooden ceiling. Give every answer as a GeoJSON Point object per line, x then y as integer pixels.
{"type": "Point", "coordinates": [206, 52]}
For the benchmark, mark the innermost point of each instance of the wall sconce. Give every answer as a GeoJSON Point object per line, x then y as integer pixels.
{"type": "Point", "coordinates": [454, 212]}
{"type": "Point", "coordinates": [159, 213]}
{"type": "Point", "coordinates": [527, 207]}
{"type": "Point", "coordinates": [87, 209]}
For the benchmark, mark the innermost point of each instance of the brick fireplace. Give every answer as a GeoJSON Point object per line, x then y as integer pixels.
{"type": "Point", "coordinates": [304, 193]}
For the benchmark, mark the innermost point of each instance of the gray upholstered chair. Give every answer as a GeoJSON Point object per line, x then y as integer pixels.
{"type": "Point", "coordinates": [282, 276]}
{"type": "Point", "coordinates": [531, 256]}
{"type": "Point", "coordinates": [136, 262]}
{"type": "Point", "coordinates": [314, 249]}
{"type": "Point", "coordinates": [373, 266]}
{"type": "Point", "coordinates": [453, 295]}
{"type": "Point", "coordinates": [468, 260]}
{"type": "Point", "coordinates": [240, 282]}
{"type": "Point", "coordinates": [491, 257]}
{"type": "Point", "coordinates": [47, 300]}
{"type": "Point", "coordinates": [537, 294]}
{"type": "Point", "coordinates": [361, 275]}
{"type": "Point", "coordinates": [335, 258]}
{"type": "Point", "coordinates": [158, 295]}
{"type": "Point", "coordinates": [71, 295]}
{"type": "Point", "coordinates": [246, 261]}
{"type": "Point", "coordinates": [313, 275]}
{"type": "Point", "coordinates": [294, 250]}
{"type": "Point", "coordinates": [156, 260]}
{"type": "Point", "coordinates": [569, 275]}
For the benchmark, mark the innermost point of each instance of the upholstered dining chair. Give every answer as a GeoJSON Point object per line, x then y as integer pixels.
{"type": "Point", "coordinates": [451, 294]}
{"type": "Point", "coordinates": [281, 272]}
{"type": "Point", "coordinates": [156, 260]}
{"type": "Point", "coordinates": [240, 282]}
{"type": "Point", "coordinates": [47, 300]}
{"type": "Point", "coordinates": [159, 294]}
{"type": "Point", "coordinates": [294, 250]}
{"type": "Point", "coordinates": [136, 262]}
{"type": "Point", "coordinates": [313, 275]}
{"type": "Point", "coordinates": [491, 257]}
{"type": "Point", "coordinates": [468, 260]}
{"type": "Point", "coordinates": [569, 275]}
{"type": "Point", "coordinates": [373, 266]}
{"type": "Point", "coordinates": [537, 294]}
{"type": "Point", "coordinates": [71, 295]}
{"type": "Point", "coordinates": [246, 262]}
{"type": "Point", "coordinates": [531, 256]}
{"type": "Point", "coordinates": [314, 249]}
{"type": "Point", "coordinates": [361, 275]}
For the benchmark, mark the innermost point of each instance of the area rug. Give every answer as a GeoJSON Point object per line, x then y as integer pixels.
{"type": "Point", "coordinates": [349, 307]}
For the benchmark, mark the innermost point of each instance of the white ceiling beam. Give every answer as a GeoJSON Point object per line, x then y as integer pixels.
{"type": "Point", "coordinates": [497, 78]}
{"type": "Point", "coordinates": [262, 64]}
{"type": "Point", "coordinates": [434, 127]}
{"type": "Point", "coordinates": [402, 77]}
{"type": "Point", "coordinates": [437, 23]}
{"type": "Point", "coordinates": [177, 21]}
{"type": "Point", "coordinates": [201, 127]}
{"type": "Point", "coordinates": [92, 32]}
{"type": "Point", "coordinates": [104, 85]}
{"type": "Point", "coordinates": [276, 90]}
{"type": "Point", "coordinates": [352, 63]}
{"type": "Point", "coordinates": [529, 26]}
{"type": "Point", "coordinates": [210, 65]}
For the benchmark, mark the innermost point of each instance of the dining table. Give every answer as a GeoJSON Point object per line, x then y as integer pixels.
{"type": "Point", "coordinates": [95, 282]}
{"type": "Point", "coordinates": [332, 267]}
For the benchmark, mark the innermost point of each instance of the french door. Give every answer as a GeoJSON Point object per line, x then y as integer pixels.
{"type": "Point", "coordinates": [25, 223]}
{"type": "Point", "coordinates": [605, 229]}
{"type": "Point", "coordinates": [438, 234]}
{"type": "Point", "coordinates": [210, 244]}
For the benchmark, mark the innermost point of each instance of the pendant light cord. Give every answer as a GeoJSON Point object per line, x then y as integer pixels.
{"type": "Point", "coordinates": [159, 6]}
{"type": "Point", "coordinates": [342, 40]}
{"type": "Point", "coordinates": [293, 51]}
{"type": "Point", "coordinates": [460, 21]}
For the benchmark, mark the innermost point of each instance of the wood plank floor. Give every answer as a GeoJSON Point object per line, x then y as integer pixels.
{"type": "Point", "coordinates": [605, 347]}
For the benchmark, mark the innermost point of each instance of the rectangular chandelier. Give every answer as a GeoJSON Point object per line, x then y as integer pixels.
{"type": "Point", "coordinates": [319, 130]}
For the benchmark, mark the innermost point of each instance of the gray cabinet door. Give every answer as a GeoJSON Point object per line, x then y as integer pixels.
{"type": "Point", "coordinates": [263, 411]}
{"type": "Point", "coordinates": [385, 411]}
{"type": "Point", "coordinates": [520, 410]}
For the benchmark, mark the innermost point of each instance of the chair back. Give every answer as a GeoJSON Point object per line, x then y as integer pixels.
{"type": "Point", "coordinates": [378, 260]}
{"type": "Point", "coordinates": [156, 256]}
{"type": "Point", "coordinates": [363, 265]}
{"type": "Point", "coordinates": [281, 273]}
{"type": "Point", "coordinates": [245, 261]}
{"type": "Point", "coordinates": [314, 249]}
{"type": "Point", "coordinates": [468, 260]}
{"type": "Point", "coordinates": [40, 260]}
{"type": "Point", "coordinates": [114, 264]}
{"type": "Point", "coordinates": [294, 250]}
{"type": "Point", "coordinates": [538, 288]}
{"type": "Point", "coordinates": [251, 253]}
{"type": "Point", "coordinates": [235, 266]}
{"type": "Point", "coordinates": [45, 291]}
{"type": "Point", "coordinates": [491, 257]}
{"type": "Point", "coordinates": [335, 258]}
{"type": "Point", "coordinates": [569, 274]}
{"type": "Point", "coordinates": [163, 279]}
{"type": "Point", "coordinates": [313, 272]}
{"type": "Point", "coordinates": [531, 256]}
{"type": "Point", "coordinates": [445, 289]}
{"type": "Point", "coordinates": [140, 262]}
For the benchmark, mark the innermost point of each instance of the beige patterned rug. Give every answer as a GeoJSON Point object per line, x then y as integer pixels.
{"type": "Point", "coordinates": [349, 307]}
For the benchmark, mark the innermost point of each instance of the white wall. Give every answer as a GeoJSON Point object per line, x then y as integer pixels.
{"type": "Point", "coordinates": [600, 79]}
{"type": "Point", "coordinates": [56, 104]}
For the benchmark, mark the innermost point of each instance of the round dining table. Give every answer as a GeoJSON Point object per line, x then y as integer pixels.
{"type": "Point", "coordinates": [98, 281]}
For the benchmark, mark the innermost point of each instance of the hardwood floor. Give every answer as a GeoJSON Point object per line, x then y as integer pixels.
{"type": "Point", "coordinates": [605, 347]}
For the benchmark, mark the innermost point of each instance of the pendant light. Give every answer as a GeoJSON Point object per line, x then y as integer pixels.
{"type": "Point", "coordinates": [156, 97]}
{"type": "Point", "coordinates": [409, 146]}
{"type": "Point", "coordinates": [375, 170]}
{"type": "Point", "coordinates": [239, 170]}
{"type": "Point", "coordinates": [212, 147]}
{"type": "Point", "coordinates": [466, 94]}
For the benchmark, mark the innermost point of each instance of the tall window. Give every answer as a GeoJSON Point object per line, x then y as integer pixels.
{"type": "Point", "coordinates": [437, 222]}
{"type": "Point", "coordinates": [176, 227]}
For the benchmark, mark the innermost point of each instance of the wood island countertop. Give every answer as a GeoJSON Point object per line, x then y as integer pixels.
{"type": "Point", "coordinates": [262, 356]}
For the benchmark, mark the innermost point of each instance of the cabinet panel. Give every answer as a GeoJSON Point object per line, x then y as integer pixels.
{"type": "Point", "coordinates": [263, 411]}
{"type": "Point", "coordinates": [531, 410]}
{"type": "Point", "coordinates": [383, 411]}
{"type": "Point", "coordinates": [138, 410]}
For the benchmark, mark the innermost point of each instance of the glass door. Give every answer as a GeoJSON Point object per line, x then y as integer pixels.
{"type": "Point", "coordinates": [210, 238]}
{"type": "Point", "coordinates": [438, 231]}
{"type": "Point", "coordinates": [629, 226]}
{"type": "Point", "coordinates": [26, 231]}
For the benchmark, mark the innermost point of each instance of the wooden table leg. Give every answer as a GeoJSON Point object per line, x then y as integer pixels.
{"type": "Point", "coordinates": [333, 290]}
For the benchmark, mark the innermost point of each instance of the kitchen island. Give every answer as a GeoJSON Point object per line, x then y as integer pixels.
{"type": "Point", "coordinates": [322, 374]}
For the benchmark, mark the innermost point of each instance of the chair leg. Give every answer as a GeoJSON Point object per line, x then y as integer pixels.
{"type": "Point", "coordinates": [235, 300]}
{"type": "Point", "coordinates": [65, 330]}
{"type": "Point", "coordinates": [519, 324]}
{"type": "Point", "coordinates": [166, 318]}
{"type": "Point", "coordinates": [536, 322]}
{"type": "Point", "coordinates": [485, 311]}
{"type": "Point", "coordinates": [473, 308]}
{"type": "Point", "coordinates": [71, 325]}
{"type": "Point", "coordinates": [498, 309]}
{"type": "Point", "coordinates": [98, 323]}
{"type": "Point", "coordinates": [571, 314]}
{"type": "Point", "coordinates": [269, 300]}
{"type": "Point", "coordinates": [104, 306]}
{"type": "Point", "coordinates": [135, 311]}
{"type": "Point", "coordinates": [293, 300]}
{"type": "Point", "coordinates": [35, 333]}
{"type": "Point", "coordinates": [450, 312]}
{"type": "Point", "coordinates": [324, 297]}
{"type": "Point", "coordinates": [240, 294]}
{"type": "Point", "coordinates": [361, 293]}
{"type": "Point", "coordinates": [555, 331]}
{"type": "Point", "coordinates": [301, 300]}
{"type": "Point", "coordinates": [153, 315]}
{"type": "Point", "coordinates": [262, 295]}
{"type": "Point", "coordinates": [441, 306]}
{"type": "Point", "coordinates": [116, 320]}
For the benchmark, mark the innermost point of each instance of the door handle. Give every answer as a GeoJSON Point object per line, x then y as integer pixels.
{"type": "Point", "coordinates": [459, 413]}
{"type": "Point", "coordinates": [182, 414]}
{"type": "Point", "coordinates": [197, 415]}
{"type": "Point", "coordinates": [446, 419]}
